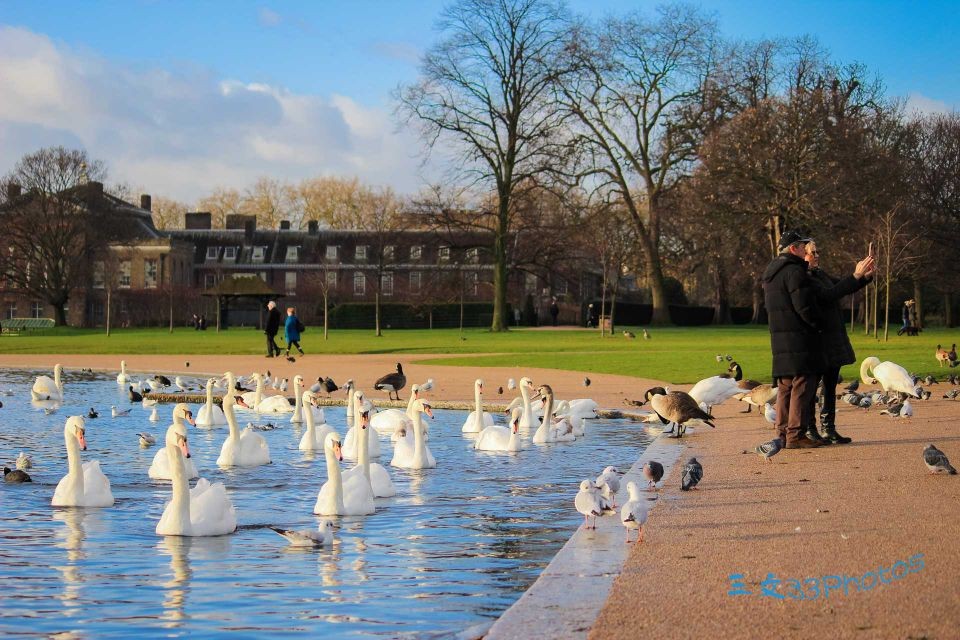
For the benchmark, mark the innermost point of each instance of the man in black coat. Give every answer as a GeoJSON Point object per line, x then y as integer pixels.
{"type": "Point", "coordinates": [795, 339]}
{"type": "Point", "coordinates": [836, 345]}
{"type": "Point", "coordinates": [273, 326]}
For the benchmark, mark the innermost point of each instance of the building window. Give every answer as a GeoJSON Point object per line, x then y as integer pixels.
{"type": "Point", "coordinates": [331, 280]}
{"type": "Point", "coordinates": [124, 274]}
{"type": "Point", "coordinates": [290, 283]}
{"type": "Point", "coordinates": [388, 253]}
{"type": "Point", "coordinates": [415, 252]}
{"type": "Point", "coordinates": [11, 310]}
{"type": "Point", "coordinates": [36, 310]}
{"type": "Point", "coordinates": [212, 253]}
{"type": "Point", "coordinates": [414, 282]}
{"type": "Point", "coordinates": [360, 253]}
{"type": "Point", "coordinates": [98, 275]}
{"type": "Point", "coordinates": [386, 284]}
{"type": "Point", "coordinates": [444, 254]}
{"type": "Point", "coordinates": [473, 283]}
{"type": "Point", "coordinates": [229, 253]}
{"type": "Point", "coordinates": [150, 273]}
{"type": "Point", "coordinates": [259, 254]}
{"type": "Point", "coordinates": [473, 255]}
{"type": "Point", "coordinates": [359, 283]}
{"type": "Point", "coordinates": [209, 280]}
{"type": "Point", "coordinates": [332, 251]}
{"type": "Point", "coordinates": [293, 253]}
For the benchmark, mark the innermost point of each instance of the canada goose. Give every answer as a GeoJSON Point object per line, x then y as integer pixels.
{"type": "Point", "coordinates": [392, 383]}
{"type": "Point", "coordinates": [677, 407]}
{"type": "Point", "coordinates": [736, 371]}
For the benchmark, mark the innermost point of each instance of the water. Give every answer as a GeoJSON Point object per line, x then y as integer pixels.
{"type": "Point", "coordinates": [454, 549]}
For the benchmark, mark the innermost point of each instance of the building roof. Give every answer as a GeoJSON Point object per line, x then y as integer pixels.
{"type": "Point", "coordinates": [242, 286]}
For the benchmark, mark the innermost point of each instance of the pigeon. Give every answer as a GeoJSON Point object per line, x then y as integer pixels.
{"type": "Point", "coordinates": [500, 391]}
{"type": "Point", "coordinates": [936, 461]}
{"type": "Point", "coordinates": [925, 394]}
{"type": "Point", "coordinates": [692, 474]}
{"type": "Point", "coordinates": [608, 482]}
{"type": "Point", "coordinates": [893, 410]}
{"type": "Point", "coordinates": [511, 384]}
{"type": "Point", "coordinates": [16, 475]}
{"type": "Point", "coordinates": [589, 503]}
{"type": "Point", "coordinates": [770, 449]}
{"type": "Point", "coordinates": [865, 402]}
{"type": "Point", "coordinates": [586, 381]}
{"type": "Point", "coordinates": [133, 395]}
{"type": "Point", "coordinates": [630, 335]}
{"type": "Point", "coordinates": [929, 380]}
{"type": "Point", "coordinates": [321, 537]}
{"type": "Point", "coordinates": [853, 386]}
{"type": "Point", "coordinates": [853, 399]}
{"type": "Point", "coordinates": [633, 514]}
{"type": "Point", "coordinates": [116, 413]}
{"type": "Point", "coordinates": [92, 413]}
{"type": "Point", "coordinates": [24, 461]}
{"type": "Point", "coordinates": [146, 440]}
{"type": "Point", "coordinates": [646, 334]}
{"type": "Point", "coordinates": [770, 413]}
{"type": "Point", "coordinates": [653, 472]}
{"type": "Point", "coordinates": [952, 394]}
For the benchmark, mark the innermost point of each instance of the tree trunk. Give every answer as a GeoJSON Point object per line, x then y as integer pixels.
{"type": "Point", "coordinates": [109, 300]}
{"type": "Point", "coordinates": [866, 310]}
{"type": "Point", "coordinates": [721, 314]}
{"type": "Point", "coordinates": [326, 321]}
{"type": "Point", "coordinates": [376, 312]}
{"type": "Point", "coordinates": [947, 310]}
{"type": "Point", "coordinates": [171, 308]}
{"type": "Point", "coordinates": [918, 296]}
{"type": "Point", "coordinates": [603, 302]}
{"type": "Point", "coordinates": [461, 307]}
{"type": "Point", "coordinates": [500, 265]}
{"type": "Point", "coordinates": [59, 316]}
{"type": "Point", "coordinates": [876, 308]}
{"type": "Point", "coordinates": [658, 293]}
{"type": "Point", "coordinates": [757, 303]}
{"type": "Point", "coordinates": [613, 309]}
{"type": "Point", "coordinates": [886, 312]}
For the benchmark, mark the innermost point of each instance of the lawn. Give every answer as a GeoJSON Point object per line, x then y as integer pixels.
{"type": "Point", "coordinates": [679, 355]}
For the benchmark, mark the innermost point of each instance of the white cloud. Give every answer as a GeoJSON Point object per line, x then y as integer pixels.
{"type": "Point", "coordinates": [183, 133]}
{"type": "Point", "coordinates": [268, 18]}
{"type": "Point", "coordinates": [918, 104]}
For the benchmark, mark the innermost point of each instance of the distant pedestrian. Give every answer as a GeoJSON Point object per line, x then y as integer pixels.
{"type": "Point", "coordinates": [590, 315]}
{"type": "Point", "coordinates": [196, 322]}
{"type": "Point", "coordinates": [202, 323]}
{"type": "Point", "coordinates": [516, 316]}
{"type": "Point", "coordinates": [554, 311]}
{"type": "Point", "coordinates": [292, 329]}
{"type": "Point", "coordinates": [272, 328]}
{"type": "Point", "coordinates": [905, 328]}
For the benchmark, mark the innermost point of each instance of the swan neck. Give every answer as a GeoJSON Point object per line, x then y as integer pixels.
{"type": "Point", "coordinates": [259, 394]}
{"type": "Point", "coordinates": [74, 463]}
{"type": "Point", "coordinates": [350, 402]}
{"type": "Point", "coordinates": [308, 418]}
{"type": "Point", "coordinates": [210, 392]}
{"type": "Point", "coordinates": [231, 419]}
{"type": "Point", "coordinates": [478, 406]}
{"type": "Point", "coordinates": [418, 445]}
{"type": "Point", "coordinates": [547, 408]}
{"type": "Point", "coordinates": [56, 379]}
{"type": "Point", "coordinates": [180, 484]}
{"type": "Point", "coordinates": [333, 476]}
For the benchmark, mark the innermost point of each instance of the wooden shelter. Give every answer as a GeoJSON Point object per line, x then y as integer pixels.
{"type": "Point", "coordinates": [237, 287]}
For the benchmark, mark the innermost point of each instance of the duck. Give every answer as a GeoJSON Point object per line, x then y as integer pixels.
{"type": "Point", "coordinates": [205, 510]}
{"type": "Point", "coordinates": [134, 395]}
{"type": "Point", "coordinates": [45, 388]}
{"type": "Point", "coordinates": [297, 416]}
{"type": "Point", "coordinates": [24, 461]}
{"type": "Point", "coordinates": [314, 436]}
{"type": "Point", "coordinates": [160, 467]}
{"type": "Point", "coordinates": [84, 485]}
{"type": "Point", "coordinates": [478, 418]}
{"type": "Point", "coordinates": [241, 449]}
{"type": "Point", "coordinates": [392, 383]}
{"type": "Point", "coordinates": [321, 537]}
{"type": "Point", "coordinates": [633, 514]}
{"type": "Point", "coordinates": [92, 414]}
{"type": "Point", "coordinates": [351, 449]}
{"type": "Point", "coordinates": [413, 453]}
{"type": "Point", "coordinates": [497, 438]}
{"type": "Point", "coordinates": [122, 377]}
{"type": "Point", "coordinates": [339, 498]}
{"type": "Point", "coordinates": [677, 407]}
{"type": "Point", "coordinates": [14, 476]}
{"type": "Point", "coordinates": [890, 375]}
{"type": "Point", "coordinates": [375, 474]}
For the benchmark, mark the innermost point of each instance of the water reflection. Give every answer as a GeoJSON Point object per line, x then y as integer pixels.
{"type": "Point", "coordinates": [70, 538]}
{"type": "Point", "coordinates": [178, 586]}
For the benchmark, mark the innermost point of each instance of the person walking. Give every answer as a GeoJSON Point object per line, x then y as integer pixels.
{"type": "Point", "coordinates": [838, 351]}
{"type": "Point", "coordinates": [272, 328]}
{"type": "Point", "coordinates": [292, 329]}
{"type": "Point", "coordinates": [795, 326]}
{"type": "Point", "coordinates": [554, 311]}
{"type": "Point", "coordinates": [906, 318]}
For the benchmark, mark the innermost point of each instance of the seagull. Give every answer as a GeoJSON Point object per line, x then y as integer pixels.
{"type": "Point", "coordinates": [317, 386]}
{"type": "Point", "coordinates": [146, 440]}
{"type": "Point", "coordinates": [426, 386]}
{"type": "Point", "coordinates": [770, 449]}
{"type": "Point", "coordinates": [284, 384]}
{"type": "Point", "coordinates": [181, 384]}
{"type": "Point", "coordinates": [92, 413]}
{"type": "Point", "coordinates": [586, 381]}
{"type": "Point", "coordinates": [936, 461]}
{"type": "Point", "coordinates": [770, 413]}
{"type": "Point", "coordinates": [692, 474]}
{"type": "Point", "coordinates": [511, 384]}
{"type": "Point", "coordinates": [633, 515]}
{"type": "Point", "coordinates": [276, 383]}
{"type": "Point", "coordinates": [608, 482]}
{"type": "Point", "coordinates": [321, 537]}
{"type": "Point", "coordinates": [24, 461]}
{"type": "Point", "coordinates": [588, 503]}
{"type": "Point", "coordinates": [653, 472]}
{"type": "Point", "coordinates": [116, 413]}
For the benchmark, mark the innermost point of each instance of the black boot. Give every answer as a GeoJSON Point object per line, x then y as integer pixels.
{"type": "Point", "coordinates": [830, 431]}
{"type": "Point", "coordinates": [814, 435]}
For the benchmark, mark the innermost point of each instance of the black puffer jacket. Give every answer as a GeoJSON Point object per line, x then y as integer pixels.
{"type": "Point", "coordinates": [273, 322]}
{"type": "Point", "coordinates": [795, 320]}
{"type": "Point", "coordinates": [829, 291]}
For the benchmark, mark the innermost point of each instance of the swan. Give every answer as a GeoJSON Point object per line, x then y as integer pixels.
{"type": "Point", "coordinates": [250, 398]}
{"type": "Point", "coordinates": [297, 416]}
{"type": "Point", "coordinates": [241, 449]}
{"type": "Point", "coordinates": [313, 437]}
{"type": "Point", "coordinates": [206, 509]}
{"type": "Point", "coordinates": [527, 420]}
{"type": "Point", "coordinates": [545, 433]}
{"type": "Point", "coordinates": [154, 415]}
{"type": "Point", "coordinates": [576, 422]}
{"type": "Point", "coordinates": [478, 418]}
{"type": "Point", "coordinates": [339, 498]}
{"type": "Point", "coordinates": [210, 415]}
{"type": "Point", "coordinates": [84, 485]}
{"type": "Point", "coordinates": [890, 375]}
{"type": "Point", "coordinates": [46, 389]}
{"type": "Point", "coordinates": [415, 454]}
{"type": "Point", "coordinates": [350, 448]}
{"type": "Point", "coordinates": [585, 408]}
{"type": "Point", "coordinates": [122, 377]}
{"type": "Point", "coordinates": [271, 404]}
{"type": "Point", "coordinates": [374, 474]}
{"type": "Point", "coordinates": [349, 388]}
{"type": "Point", "coordinates": [160, 468]}
{"type": "Point", "coordinates": [714, 390]}
{"type": "Point", "coordinates": [497, 438]}
{"type": "Point", "coordinates": [392, 420]}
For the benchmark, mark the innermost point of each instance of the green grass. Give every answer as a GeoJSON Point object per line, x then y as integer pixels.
{"type": "Point", "coordinates": [677, 355]}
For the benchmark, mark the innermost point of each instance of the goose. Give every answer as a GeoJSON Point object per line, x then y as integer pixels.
{"type": "Point", "coordinates": [313, 437]}
{"type": "Point", "coordinates": [394, 420]}
{"type": "Point", "coordinates": [321, 537]}
{"type": "Point", "coordinates": [758, 396]}
{"type": "Point", "coordinates": [415, 454]}
{"type": "Point", "coordinates": [146, 440]}
{"type": "Point", "coordinates": [45, 388]}
{"type": "Point", "coordinates": [134, 395]}
{"type": "Point", "coordinates": [210, 415]}
{"type": "Point", "coordinates": [122, 377]}
{"type": "Point", "coordinates": [478, 418]}
{"type": "Point", "coordinates": [24, 461]}
{"type": "Point", "coordinates": [205, 510]}
{"type": "Point", "coordinates": [375, 474]}
{"type": "Point", "coordinates": [297, 416]}
{"type": "Point", "coordinates": [736, 371]}
{"type": "Point", "coordinates": [497, 438]}
{"type": "Point", "coordinates": [677, 407]}
{"type": "Point", "coordinates": [84, 485]}
{"type": "Point", "coordinates": [160, 467]}
{"type": "Point", "coordinates": [339, 498]}
{"type": "Point", "coordinates": [392, 383]}
{"type": "Point", "coordinates": [118, 413]}
{"type": "Point", "coordinates": [351, 449]}
{"type": "Point", "coordinates": [633, 514]}
{"type": "Point", "coordinates": [589, 503]}
{"type": "Point", "coordinates": [241, 449]}
{"type": "Point", "coordinates": [890, 375]}
{"type": "Point", "coordinates": [714, 390]}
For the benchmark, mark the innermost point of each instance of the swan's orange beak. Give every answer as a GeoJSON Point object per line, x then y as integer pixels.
{"type": "Point", "coordinates": [82, 440]}
{"type": "Point", "coordinates": [184, 448]}
{"type": "Point", "coordinates": [239, 401]}
{"type": "Point", "coordinates": [516, 425]}
{"type": "Point", "coordinates": [427, 410]}
{"type": "Point", "coordinates": [337, 451]}
{"type": "Point", "coordinates": [191, 420]}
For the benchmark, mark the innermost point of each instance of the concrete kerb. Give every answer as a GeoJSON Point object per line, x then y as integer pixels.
{"type": "Point", "coordinates": [566, 599]}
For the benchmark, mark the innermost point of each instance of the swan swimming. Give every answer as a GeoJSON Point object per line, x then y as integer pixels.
{"type": "Point", "coordinates": [46, 389]}
{"type": "Point", "coordinates": [84, 485]}
{"type": "Point", "coordinates": [375, 474]}
{"type": "Point", "coordinates": [160, 468]}
{"type": "Point", "coordinates": [241, 449]}
{"type": "Point", "coordinates": [122, 377]}
{"type": "Point", "coordinates": [478, 418]}
{"type": "Point", "coordinates": [497, 438]}
{"type": "Point", "coordinates": [210, 415]}
{"type": "Point", "coordinates": [351, 449]}
{"type": "Point", "coordinates": [413, 453]}
{"type": "Point", "coordinates": [313, 437]}
{"type": "Point", "coordinates": [339, 498]}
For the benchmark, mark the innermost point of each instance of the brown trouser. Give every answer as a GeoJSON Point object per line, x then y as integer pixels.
{"type": "Point", "coordinates": [794, 407]}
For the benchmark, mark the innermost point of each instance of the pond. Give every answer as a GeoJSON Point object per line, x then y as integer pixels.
{"type": "Point", "coordinates": [447, 555]}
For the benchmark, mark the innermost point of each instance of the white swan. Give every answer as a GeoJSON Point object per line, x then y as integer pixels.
{"type": "Point", "coordinates": [46, 389]}
{"type": "Point", "coordinates": [122, 377]}
{"type": "Point", "coordinates": [890, 375]}
{"type": "Point", "coordinates": [351, 450]}
{"type": "Point", "coordinates": [339, 498]}
{"type": "Point", "coordinates": [478, 418]}
{"type": "Point", "coordinates": [84, 485]}
{"type": "Point", "coordinates": [250, 398]}
{"type": "Point", "coordinates": [413, 453]}
{"type": "Point", "coordinates": [297, 416]}
{"type": "Point", "coordinates": [576, 423]}
{"type": "Point", "coordinates": [584, 408]}
{"type": "Point", "coordinates": [497, 438]}
{"type": "Point", "coordinates": [273, 404]}
{"type": "Point", "coordinates": [375, 474]}
{"type": "Point", "coordinates": [548, 432]}
{"type": "Point", "coordinates": [160, 468]}
{"type": "Point", "coordinates": [154, 415]}
{"type": "Point", "coordinates": [714, 390]}
{"type": "Point", "coordinates": [527, 420]}
{"type": "Point", "coordinates": [392, 420]}
{"type": "Point", "coordinates": [205, 510]}
{"type": "Point", "coordinates": [313, 437]}
{"type": "Point", "coordinates": [241, 449]}
{"type": "Point", "coordinates": [210, 415]}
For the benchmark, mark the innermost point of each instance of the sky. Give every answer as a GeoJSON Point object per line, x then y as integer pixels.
{"type": "Point", "coordinates": [179, 98]}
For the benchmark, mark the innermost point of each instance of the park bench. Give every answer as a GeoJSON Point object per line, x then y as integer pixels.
{"type": "Point", "coordinates": [13, 326]}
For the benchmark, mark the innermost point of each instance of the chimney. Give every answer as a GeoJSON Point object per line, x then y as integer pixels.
{"type": "Point", "coordinates": [239, 221]}
{"type": "Point", "coordinates": [95, 189]}
{"type": "Point", "coordinates": [13, 191]}
{"type": "Point", "coordinates": [145, 202]}
{"type": "Point", "coordinates": [284, 225]}
{"type": "Point", "coordinates": [197, 220]}
{"type": "Point", "coordinates": [248, 228]}
{"type": "Point", "coordinates": [313, 227]}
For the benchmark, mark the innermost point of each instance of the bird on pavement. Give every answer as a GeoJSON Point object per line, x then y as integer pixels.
{"type": "Point", "coordinates": [937, 461]}
{"type": "Point", "coordinates": [770, 449]}
{"type": "Point", "coordinates": [392, 383]}
{"type": "Point", "coordinates": [653, 472]}
{"type": "Point", "coordinates": [633, 514]}
{"type": "Point", "coordinates": [589, 503]}
{"type": "Point", "coordinates": [692, 474]}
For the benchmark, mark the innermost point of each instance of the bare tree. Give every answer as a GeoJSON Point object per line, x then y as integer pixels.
{"type": "Point", "coordinates": [168, 213]}
{"type": "Point", "coordinates": [486, 88]}
{"type": "Point", "coordinates": [221, 203]}
{"type": "Point", "coordinates": [381, 214]}
{"type": "Point", "coordinates": [328, 200]}
{"type": "Point", "coordinates": [270, 201]}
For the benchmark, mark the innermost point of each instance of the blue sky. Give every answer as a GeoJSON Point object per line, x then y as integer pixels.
{"type": "Point", "coordinates": [306, 85]}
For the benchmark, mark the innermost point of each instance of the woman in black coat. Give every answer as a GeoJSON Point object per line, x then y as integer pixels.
{"type": "Point", "coordinates": [828, 291]}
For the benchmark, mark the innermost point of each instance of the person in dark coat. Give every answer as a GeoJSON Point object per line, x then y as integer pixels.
{"type": "Point", "coordinates": [795, 339]}
{"type": "Point", "coordinates": [836, 345]}
{"type": "Point", "coordinates": [272, 328]}
{"type": "Point", "coordinates": [292, 328]}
